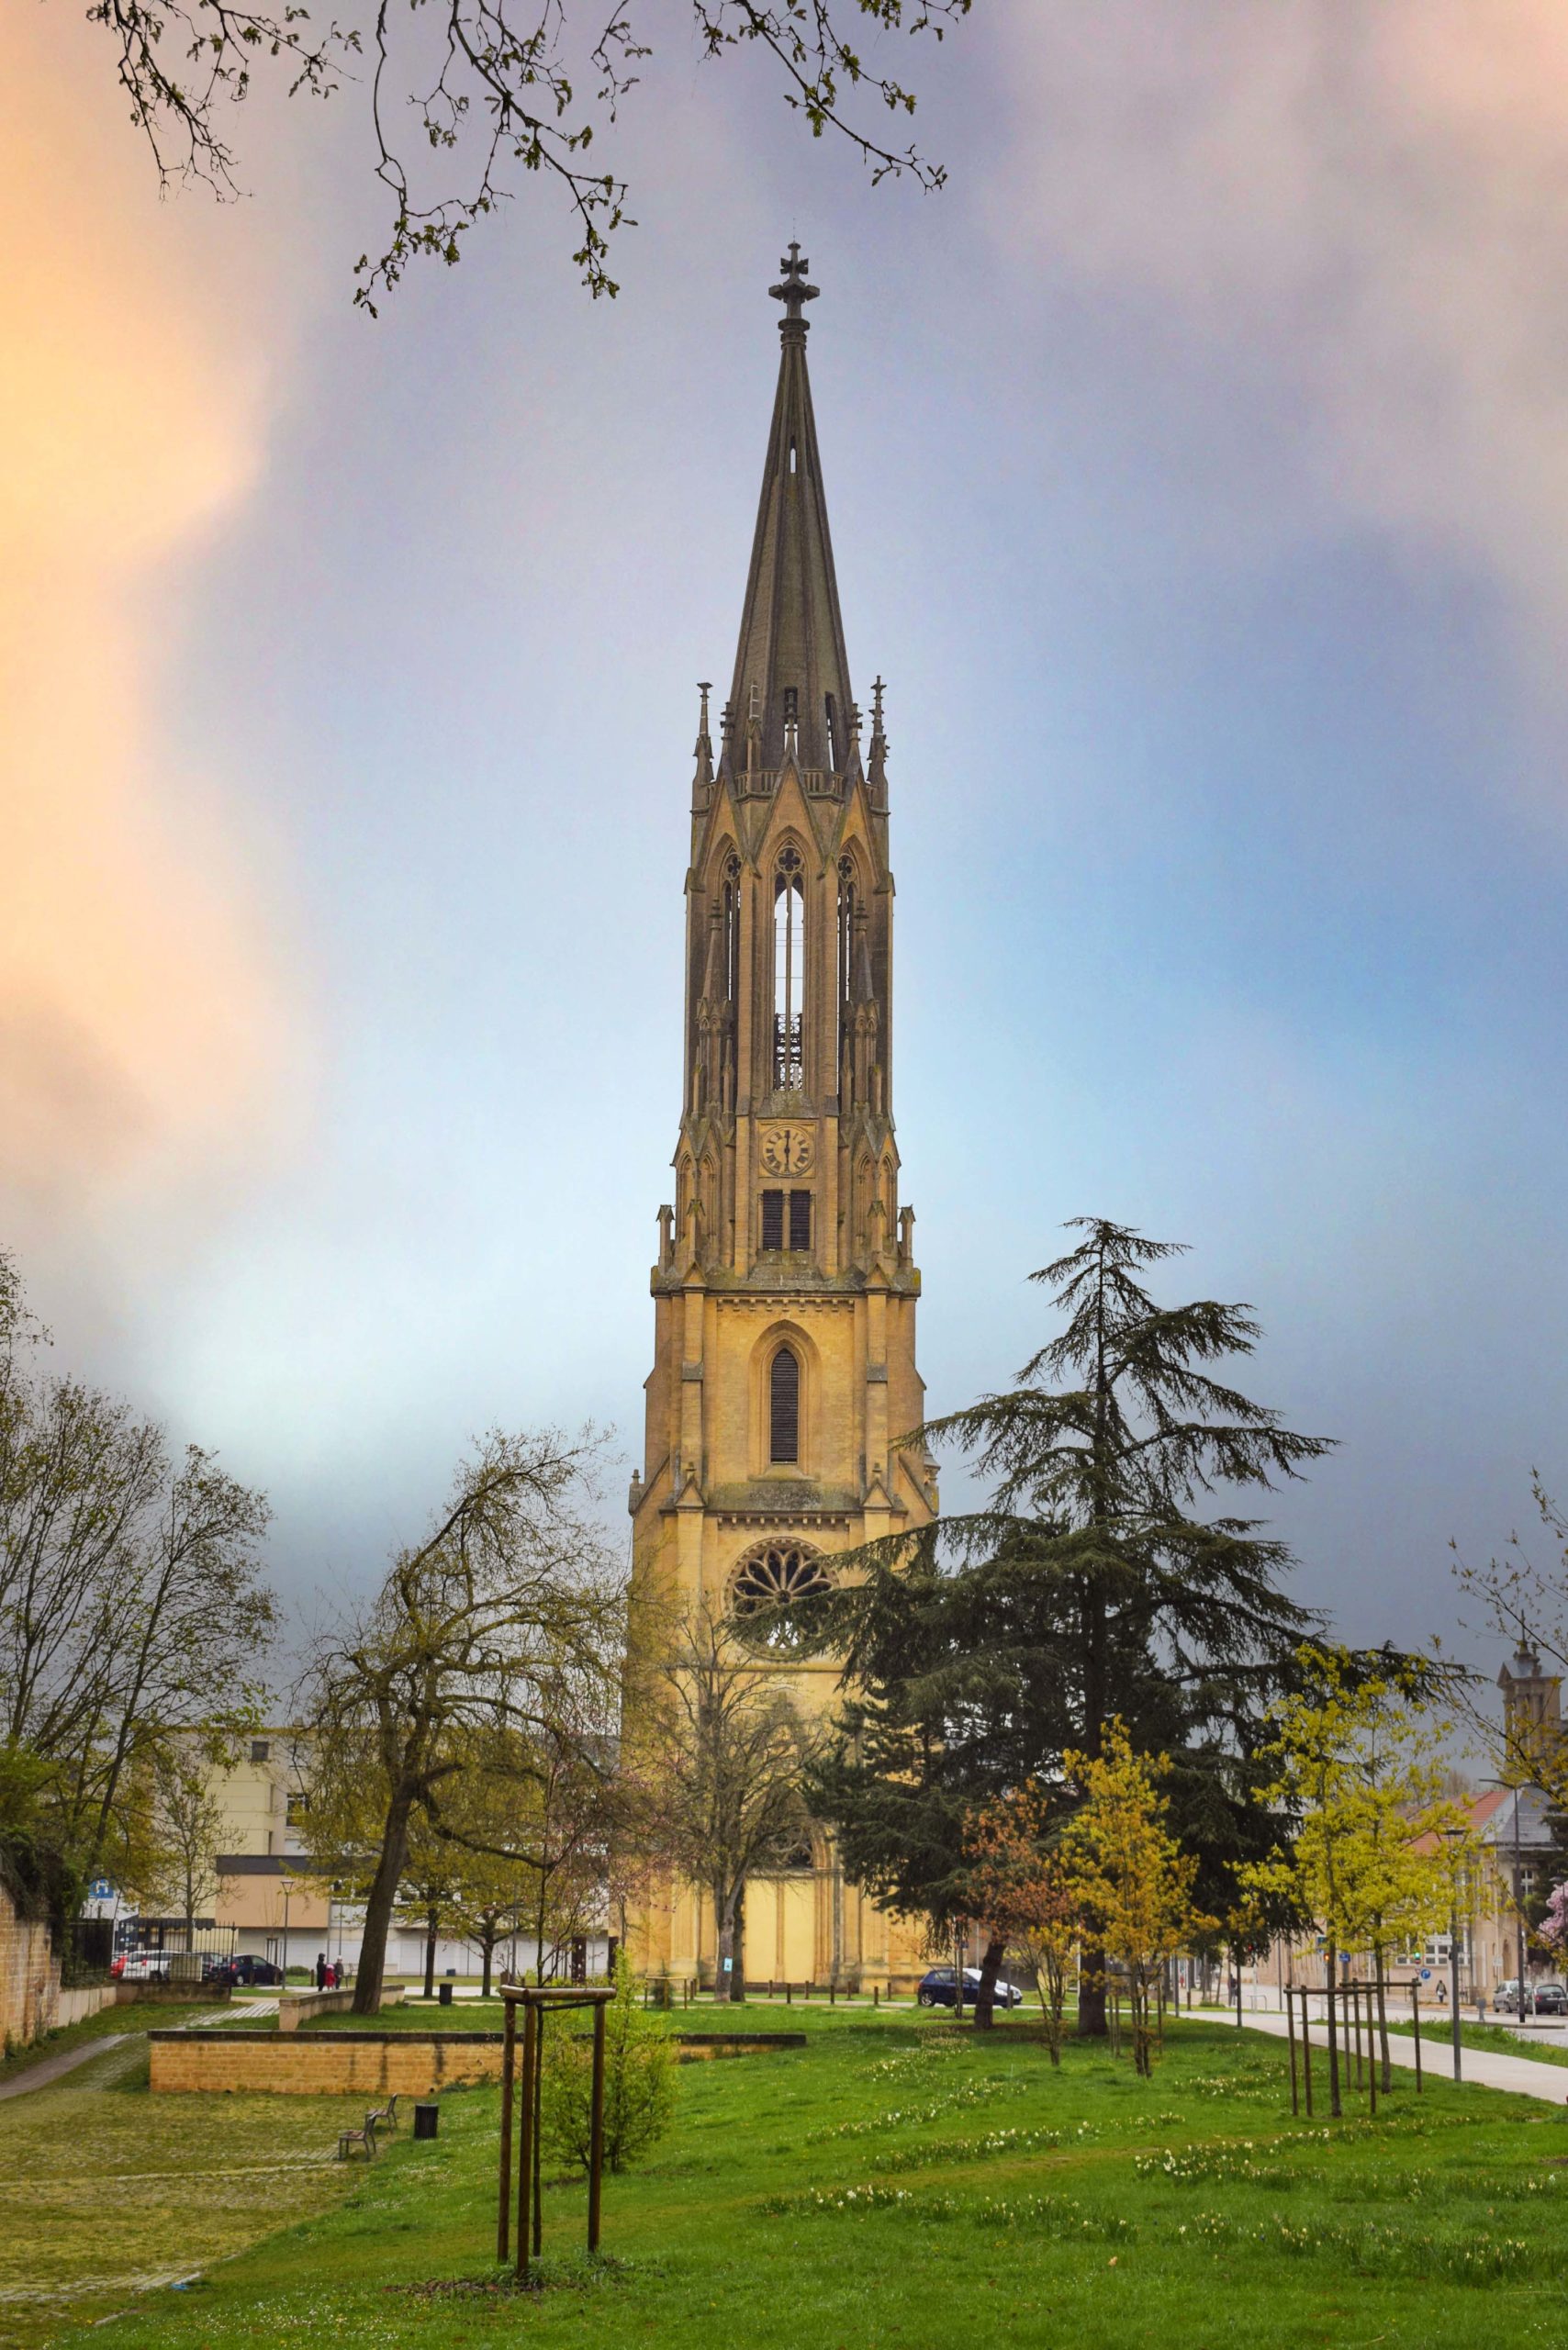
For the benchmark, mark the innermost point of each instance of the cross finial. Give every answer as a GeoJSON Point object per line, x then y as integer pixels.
{"type": "Point", "coordinates": [793, 290]}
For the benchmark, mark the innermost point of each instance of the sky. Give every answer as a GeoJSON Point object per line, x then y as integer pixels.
{"type": "Point", "coordinates": [1197, 461]}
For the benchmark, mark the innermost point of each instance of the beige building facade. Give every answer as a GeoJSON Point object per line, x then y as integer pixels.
{"type": "Point", "coordinates": [785, 1292]}
{"type": "Point", "coordinates": [277, 1913]}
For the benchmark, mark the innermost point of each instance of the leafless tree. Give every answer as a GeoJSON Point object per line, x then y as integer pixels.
{"type": "Point", "coordinates": [186, 1827]}
{"type": "Point", "coordinates": [132, 1611]}
{"type": "Point", "coordinates": [728, 1751]}
{"type": "Point", "coordinates": [488, 88]}
{"type": "Point", "coordinates": [511, 1600]}
{"type": "Point", "coordinates": [1522, 1595]}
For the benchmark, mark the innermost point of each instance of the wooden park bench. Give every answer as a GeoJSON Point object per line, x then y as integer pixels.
{"type": "Point", "coordinates": [365, 2138]}
{"type": "Point", "coordinates": [387, 2112]}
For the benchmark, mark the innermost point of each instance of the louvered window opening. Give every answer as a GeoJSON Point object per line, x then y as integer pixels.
{"type": "Point", "coordinates": [784, 1407]}
{"type": "Point", "coordinates": [786, 1220]}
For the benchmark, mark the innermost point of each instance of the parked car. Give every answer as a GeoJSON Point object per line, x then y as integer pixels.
{"type": "Point", "coordinates": [939, 1990]}
{"type": "Point", "coordinates": [142, 1967]}
{"type": "Point", "coordinates": [1540, 1999]}
{"type": "Point", "coordinates": [243, 1972]}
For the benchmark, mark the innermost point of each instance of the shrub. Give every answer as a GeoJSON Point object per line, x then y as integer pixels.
{"type": "Point", "coordinates": [639, 2082]}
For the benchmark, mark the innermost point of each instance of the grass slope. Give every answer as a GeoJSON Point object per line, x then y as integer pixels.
{"type": "Point", "coordinates": [106, 2189]}
{"type": "Point", "coordinates": [899, 2186]}
{"type": "Point", "coordinates": [135, 2015]}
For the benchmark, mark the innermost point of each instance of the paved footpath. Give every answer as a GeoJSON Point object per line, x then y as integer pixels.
{"type": "Point", "coordinates": [1522, 2075]}
{"type": "Point", "coordinates": [50, 2069]}
{"type": "Point", "coordinates": [39, 2076]}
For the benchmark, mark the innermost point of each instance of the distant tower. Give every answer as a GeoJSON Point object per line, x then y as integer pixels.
{"type": "Point", "coordinates": [1533, 1711]}
{"type": "Point", "coordinates": [785, 1290]}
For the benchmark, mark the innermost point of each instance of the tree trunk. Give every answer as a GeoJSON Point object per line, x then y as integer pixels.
{"type": "Point", "coordinates": [1335, 2107]}
{"type": "Point", "coordinates": [486, 1955]}
{"type": "Point", "coordinates": [432, 1925]}
{"type": "Point", "coordinates": [1092, 1996]}
{"type": "Point", "coordinates": [1383, 2019]}
{"type": "Point", "coordinates": [726, 1928]}
{"type": "Point", "coordinates": [985, 1997]}
{"type": "Point", "coordinates": [379, 1906]}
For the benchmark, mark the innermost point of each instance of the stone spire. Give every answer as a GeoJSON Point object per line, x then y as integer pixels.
{"type": "Point", "coordinates": [791, 663]}
{"type": "Point", "coordinates": [702, 780]}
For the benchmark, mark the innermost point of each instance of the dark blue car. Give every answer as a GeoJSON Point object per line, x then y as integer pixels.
{"type": "Point", "coordinates": [939, 1990]}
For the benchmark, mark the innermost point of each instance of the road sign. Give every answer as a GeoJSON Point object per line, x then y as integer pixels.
{"type": "Point", "coordinates": [1426, 1974]}
{"type": "Point", "coordinates": [102, 1889]}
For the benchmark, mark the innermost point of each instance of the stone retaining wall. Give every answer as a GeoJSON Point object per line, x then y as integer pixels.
{"type": "Point", "coordinates": [372, 2064]}
{"type": "Point", "coordinates": [323, 2063]}
{"type": "Point", "coordinates": [299, 2007]}
{"type": "Point", "coordinates": [29, 1975]}
{"type": "Point", "coordinates": [170, 1995]}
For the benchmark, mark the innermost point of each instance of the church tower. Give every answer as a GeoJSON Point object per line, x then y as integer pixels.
{"type": "Point", "coordinates": [785, 1290]}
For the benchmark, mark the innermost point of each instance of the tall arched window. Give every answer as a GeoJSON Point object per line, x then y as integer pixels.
{"type": "Point", "coordinates": [849, 895]}
{"type": "Point", "coordinates": [732, 929]}
{"type": "Point", "coordinates": [784, 1406]}
{"type": "Point", "coordinates": [789, 973]}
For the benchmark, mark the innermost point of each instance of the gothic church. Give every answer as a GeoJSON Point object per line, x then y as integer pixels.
{"type": "Point", "coordinates": [785, 1290]}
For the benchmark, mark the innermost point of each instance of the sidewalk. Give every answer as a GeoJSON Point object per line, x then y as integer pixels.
{"type": "Point", "coordinates": [50, 2068]}
{"type": "Point", "coordinates": [53, 2068]}
{"type": "Point", "coordinates": [1520, 2075]}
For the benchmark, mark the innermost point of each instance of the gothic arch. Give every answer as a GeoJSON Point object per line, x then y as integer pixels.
{"type": "Point", "coordinates": [788, 868]}
{"type": "Point", "coordinates": [781, 1337]}
{"type": "Point", "coordinates": [865, 1191]}
{"type": "Point", "coordinates": [848, 900]}
{"type": "Point", "coordinates": [709, 1196]}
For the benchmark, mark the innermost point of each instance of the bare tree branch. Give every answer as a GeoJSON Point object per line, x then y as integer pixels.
{"type": "Point", "coordinates": [490, 87]}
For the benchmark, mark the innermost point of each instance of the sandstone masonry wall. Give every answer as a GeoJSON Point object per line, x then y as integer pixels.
{"type": "Point", "coordinates": [323, 2063]}
{"type": "Point", "coordinates": [29, 1977]}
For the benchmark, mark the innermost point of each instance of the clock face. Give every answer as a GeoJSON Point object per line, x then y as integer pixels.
{"type": "Point", "coordinates": [788, 1150]}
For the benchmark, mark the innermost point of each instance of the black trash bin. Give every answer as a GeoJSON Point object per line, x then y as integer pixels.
{"type": "Point", "coordinates": [445, 1995]}
{"type": "Point", "coordinates": [426, 2119]}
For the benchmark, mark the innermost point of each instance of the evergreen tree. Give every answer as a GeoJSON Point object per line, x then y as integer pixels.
{"type": "Point", "coordinates": [979, 1652]}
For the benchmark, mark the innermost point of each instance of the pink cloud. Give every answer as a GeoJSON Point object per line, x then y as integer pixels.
{"type": "Point", "coordinates": [145, 1026]}
{"type": "Point", "coordinates": [1365, 201]}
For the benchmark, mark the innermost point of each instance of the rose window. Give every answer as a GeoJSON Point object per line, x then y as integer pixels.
{"type": "Point", "coordinates": [773, 1575]}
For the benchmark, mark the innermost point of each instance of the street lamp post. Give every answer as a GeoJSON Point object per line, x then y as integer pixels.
{"type": "Point", "coordinates": [1518, 1898]}
{"type": "Point", "coordinates": [1451, 1836]}
{"type": "Point", "coordinates": [1519, 1909]}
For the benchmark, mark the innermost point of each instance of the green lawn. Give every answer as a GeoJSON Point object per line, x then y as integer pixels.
{"type": "Point", "coordinates": [902, 2185]}
{"type": "Point", "coordinates": [137, 2015]}
{"type": "Point", "coordinates": [105, 2188]}
{"type": "Point", "coordinates": [1493, 2039]}
{"type": "Point", "coordinates": [703, 2015]}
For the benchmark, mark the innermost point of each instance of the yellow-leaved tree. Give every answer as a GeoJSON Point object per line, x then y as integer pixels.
{"type": "Point", "coordinates": [1130, 1880]}
{"type": "Point", "coordinates": [1020, 1884]}
{"type": "Point", "coordinates": [1361, 1769]}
